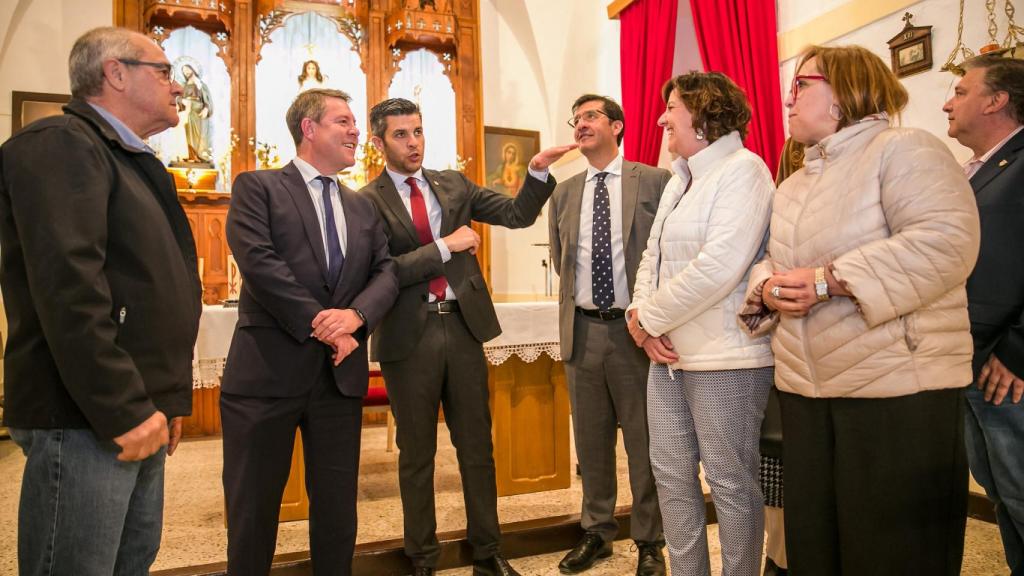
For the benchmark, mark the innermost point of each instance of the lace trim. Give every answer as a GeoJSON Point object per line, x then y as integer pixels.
{"type": "Point", "coordinates": [497, 355]}
{"type": "Point", "coordinates": [206, 373]}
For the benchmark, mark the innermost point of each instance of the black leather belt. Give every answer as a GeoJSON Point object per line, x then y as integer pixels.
{"type": "Point", "coordinates": [606, 315]}
{"type": "Point", "coordinates": [443, 306]}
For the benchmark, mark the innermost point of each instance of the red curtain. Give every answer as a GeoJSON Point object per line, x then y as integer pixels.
{"type": "Point", "coordinates": [738, 39]}
{"type": "Point", "coordinates": [646, 47]}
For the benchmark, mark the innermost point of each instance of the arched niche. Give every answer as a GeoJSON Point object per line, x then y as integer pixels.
{"type": "Point", "coordinates": [204, 109]}
{"type": "Point", "coordinates": [422, 78]}
{"type": "Point", "coordinates": [304, 40]}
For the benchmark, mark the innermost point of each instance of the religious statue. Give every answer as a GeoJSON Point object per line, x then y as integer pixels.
{"type": "Point", "coordinates": [311, 77]}
{"type": "Point", "coordinates": [196, 102]}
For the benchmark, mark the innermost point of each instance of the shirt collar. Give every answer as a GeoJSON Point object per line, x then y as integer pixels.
{"type": "Point", "coordinates": [614, 168]}
{"type": "Point", "coordinates": [123, 131]}
{"type": "Point", "coordinates": [308, 172]}
{"type": "Point", "coordinates": [400, 179]}
{"type": "Point", "coordinates": [992, 151]}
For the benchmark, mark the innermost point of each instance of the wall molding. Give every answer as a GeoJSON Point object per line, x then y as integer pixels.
{"type": "Point", "coordinates": [836, 23]}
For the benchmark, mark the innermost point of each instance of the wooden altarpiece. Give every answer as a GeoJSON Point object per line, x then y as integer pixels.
{"type": "Point", "coordinates": [381, 31]}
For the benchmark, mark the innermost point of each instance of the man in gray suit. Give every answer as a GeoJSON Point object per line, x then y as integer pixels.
{"type": "Point", "coordinates": [599, 223]}
{"type": "Point", "coordinates": [430, 346]}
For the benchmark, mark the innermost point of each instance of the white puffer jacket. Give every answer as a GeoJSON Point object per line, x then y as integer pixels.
{"type": "Point", "coordinates": [892, 211]}
{"type": "Point", "coordinates": [693, 275]}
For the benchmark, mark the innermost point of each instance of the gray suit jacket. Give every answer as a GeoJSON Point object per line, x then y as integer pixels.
{"type": "Point", "coordinates": [461, 201]}
{"type": "Point", "coordinates": [642, 186]}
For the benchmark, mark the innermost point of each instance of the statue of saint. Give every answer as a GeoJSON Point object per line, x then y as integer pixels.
{"type": "Point", "coordinates": [311, 77]}
{"type": "Point", "coordinates": [196, 102]}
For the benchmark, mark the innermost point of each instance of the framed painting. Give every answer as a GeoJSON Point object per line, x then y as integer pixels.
{"type": "Point", "coordinates": [27, 107]}
{"type": "Point", "coordinates": [507, 152]}
{"type": "Point", "coordinates": [911, 49]}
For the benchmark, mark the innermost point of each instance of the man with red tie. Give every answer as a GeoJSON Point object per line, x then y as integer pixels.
{"type": "Point", "coordinates": [430, 345]}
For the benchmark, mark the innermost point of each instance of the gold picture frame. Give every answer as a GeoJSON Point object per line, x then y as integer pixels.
{"type": "Point", "coordinates": [27, 107]}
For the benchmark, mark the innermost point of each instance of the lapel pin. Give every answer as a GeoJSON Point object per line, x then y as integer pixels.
{"type": "Point", "coordinates": [1003, 162]}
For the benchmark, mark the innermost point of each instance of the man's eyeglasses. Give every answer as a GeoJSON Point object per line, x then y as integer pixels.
{"type": "Point", "coordinates": [588, 116]}
{"type": "Point", "coordinates": [800, 82]}
{"type": "Point", "coordinates": [162, 67]}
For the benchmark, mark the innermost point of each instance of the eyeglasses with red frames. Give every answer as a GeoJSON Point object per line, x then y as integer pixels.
{"type": "Point", "coordinates": [800, 82]}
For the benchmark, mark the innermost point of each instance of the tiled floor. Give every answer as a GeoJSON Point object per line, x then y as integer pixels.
{"type": "Point", "coordinates": [194, 524]}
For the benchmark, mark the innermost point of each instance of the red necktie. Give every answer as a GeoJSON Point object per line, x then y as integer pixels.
{"type": "Point", "coordinates": [422, 224]}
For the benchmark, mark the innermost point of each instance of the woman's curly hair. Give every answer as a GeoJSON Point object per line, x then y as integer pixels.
{"type": "Point", "coordinates": [717, 104]}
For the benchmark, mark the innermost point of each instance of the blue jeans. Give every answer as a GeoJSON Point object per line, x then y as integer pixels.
{"type": "Point", "coordinates": [995, 451]}
{"type": "Point", "coordinates": [82, 511]}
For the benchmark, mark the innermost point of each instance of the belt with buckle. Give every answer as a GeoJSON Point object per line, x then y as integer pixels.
{"type": "Point", "coordinates": [443, 306]}
{"type": "Point", "coordinates": [606, 315]}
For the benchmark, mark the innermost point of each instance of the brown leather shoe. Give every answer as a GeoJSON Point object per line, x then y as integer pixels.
{"type": "Point", "coordinates": [587, 552]}
{"type": "Point", "coordinates": [493, 566]}
{"type": "Point", "coordinates": [650, 560]}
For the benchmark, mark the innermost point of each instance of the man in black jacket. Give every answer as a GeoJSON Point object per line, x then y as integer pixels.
{"type": "Point", "coordinates": [986, 114]}
{"type": "Point", "coordinates": [103, 298]}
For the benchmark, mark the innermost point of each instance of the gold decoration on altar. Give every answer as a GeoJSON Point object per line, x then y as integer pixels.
{"type": "Point", "coordinates": [194, 179]}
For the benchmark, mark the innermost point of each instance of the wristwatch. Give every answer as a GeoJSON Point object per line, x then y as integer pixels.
{"type": "Point", "coordinates": [820, 284]}
{"type": "Point", "coordinates": [360, 314]}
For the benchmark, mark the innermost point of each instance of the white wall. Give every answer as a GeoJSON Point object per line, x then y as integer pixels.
{"type": "Point", "coordinates": [35, 40]}
{"type": "Point", "coordinates": [928, 90]}
{"type": "Point", "coordinates": [538, 56]}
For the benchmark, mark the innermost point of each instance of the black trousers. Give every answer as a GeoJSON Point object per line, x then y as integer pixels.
{"type": "Point", "coordinates": [446, 368]}
{"type": "Point", "coordinates": [875, 485]}
{"type": "Point", "coordinates": [259, 435]}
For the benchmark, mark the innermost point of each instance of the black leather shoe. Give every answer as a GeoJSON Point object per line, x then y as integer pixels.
{"type": "Point", "coordinates": [588, 550]}
{"type": "Point", "coordinates": [650, 560]}
{"type": "Point", "coordinates": [422, 571]}
{"type": "Point", "coordinates": [493, 566]}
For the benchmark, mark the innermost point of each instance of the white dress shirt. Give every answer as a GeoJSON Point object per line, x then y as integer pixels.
{"type": "Point", "coordinates": [433, 215]}
{"type": "Point", "coordinates": [584, 284]}
{"type": "Point", "coordinates": [972, 166]}
{"type": "Point", "coordinates": [315, 188]}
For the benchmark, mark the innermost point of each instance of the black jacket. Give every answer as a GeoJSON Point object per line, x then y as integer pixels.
{"type": "Point", "coordinates": [995, 290]}
{"type": "Point", "coordinates": [99, 279]}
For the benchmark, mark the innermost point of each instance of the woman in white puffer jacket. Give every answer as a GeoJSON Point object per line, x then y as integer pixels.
{"type": "Point", "coordinates": [863, 292]}
{"type": "Point", "coordinates": [709, 379]}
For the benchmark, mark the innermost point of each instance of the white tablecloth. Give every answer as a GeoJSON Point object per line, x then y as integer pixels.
{"type": "Point", "coordinates": [529, 329]}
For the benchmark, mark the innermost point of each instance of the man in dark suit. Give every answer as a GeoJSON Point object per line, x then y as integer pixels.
{"type": "Point", "coordinates": [599, 223]}
{"type": "Point", "coordinates": [986, 114]}
{"type": "Point", "coordinates": [318, 279]}
{"type": "Point", "coordinates": [431, 344]}
{"type": "Point", "coordinates": [102, 293]}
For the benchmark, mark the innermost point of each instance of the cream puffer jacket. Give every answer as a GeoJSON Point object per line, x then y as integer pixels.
{"type": "Point", "coordinates": [692, 278]}
{"type": "Point", "coordinates": [894, 214]}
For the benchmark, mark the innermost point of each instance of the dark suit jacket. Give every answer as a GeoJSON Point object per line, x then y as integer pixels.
{"type": "Point", "coordinates": [995, 290]}
{"type": "Point", "coordinates": [275, 237]}
{"type": "Point", "coordinates": [99, 279]}
{"type": "Point", "coordinates": [461, 202]}
{"type": "Point", "coordinates": [642, 186]}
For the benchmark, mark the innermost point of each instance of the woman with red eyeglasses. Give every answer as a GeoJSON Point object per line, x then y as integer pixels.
{"type": "Point", "coordinates": [863, 290]}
